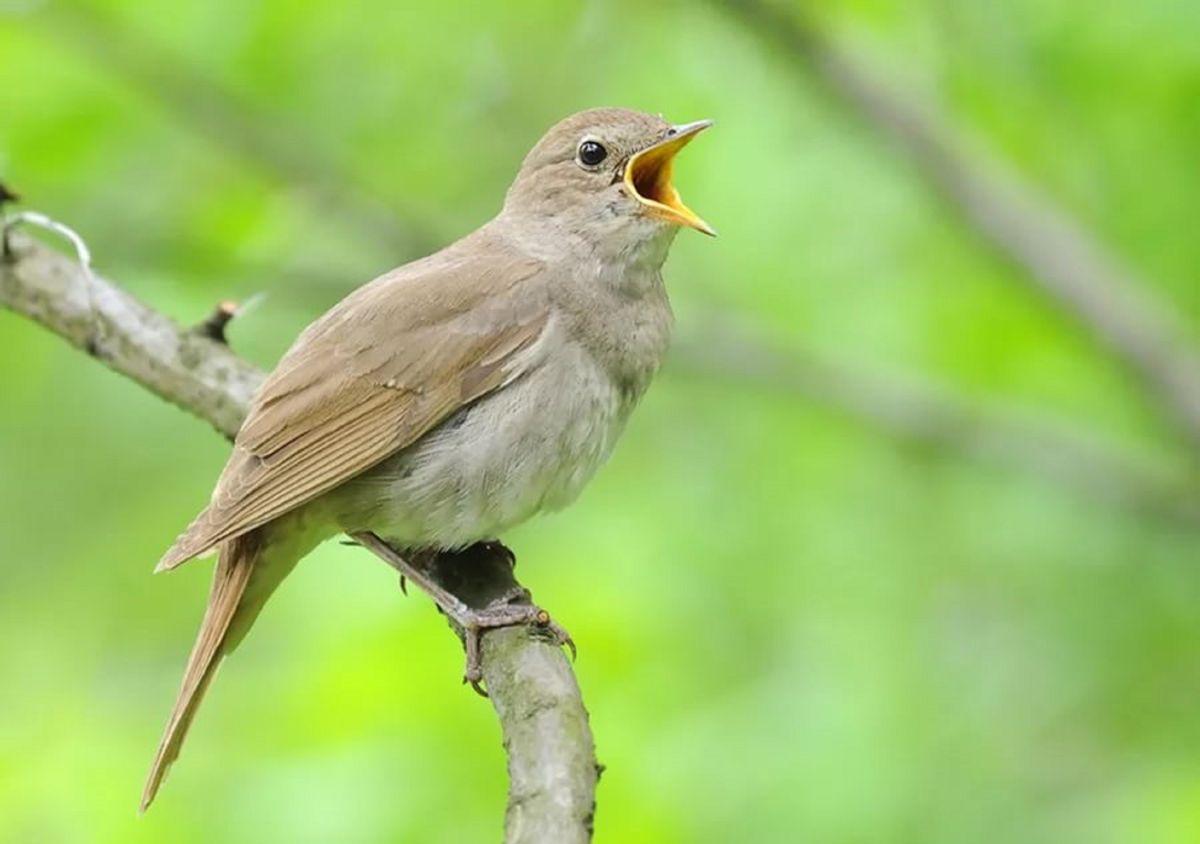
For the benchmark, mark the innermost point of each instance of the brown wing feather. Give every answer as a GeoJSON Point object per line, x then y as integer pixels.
{"type": "Point", "coordinates": [385, 365]}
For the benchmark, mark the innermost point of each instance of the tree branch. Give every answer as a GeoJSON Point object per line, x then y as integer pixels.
{"type": "Point", "coordinates": [551, 759]}
{"type": "Point", "coordinates": [936, 418]}
{"type": "Point", "coordinates": [1057, 254]}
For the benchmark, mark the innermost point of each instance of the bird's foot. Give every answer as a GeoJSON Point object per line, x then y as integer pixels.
{"type": "Point", "coordinates": [475, 622]}
{"type": "Point", "coordinates": [476, 590]}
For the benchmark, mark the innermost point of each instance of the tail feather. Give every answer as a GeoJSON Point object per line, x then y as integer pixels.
{"type": "Point", "coordinates": [193, 542]}
{"type": "Point", "coordinates": [234, 568]}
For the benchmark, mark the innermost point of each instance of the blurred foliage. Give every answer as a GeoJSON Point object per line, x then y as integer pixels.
{"type": "Point", "coordinates": [791, 627]}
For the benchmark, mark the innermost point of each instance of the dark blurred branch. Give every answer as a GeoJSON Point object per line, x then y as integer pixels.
{"type": "Point", "coordinates": [551, 760]}
{"type": "Point", "coordinates": [1059, 256]}
{"type": "Point", "coordinates": [1057, 253]}
{"type": "Point", "coordinates": [938, 419]}
{"type": "Point", "coordinates": [284, 152]}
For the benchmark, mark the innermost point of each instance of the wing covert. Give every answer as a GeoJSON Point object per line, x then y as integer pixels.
{"type": "Point", "coordinates": [369, 378]}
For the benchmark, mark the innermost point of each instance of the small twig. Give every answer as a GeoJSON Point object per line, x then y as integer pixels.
{"type": "Point", "coordinates": [214, 327]}
{"type": "Point", "coordinates": [7, 196]}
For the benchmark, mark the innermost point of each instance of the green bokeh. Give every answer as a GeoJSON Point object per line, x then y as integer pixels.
{"type": "Point", "coordinates": [792, 628]}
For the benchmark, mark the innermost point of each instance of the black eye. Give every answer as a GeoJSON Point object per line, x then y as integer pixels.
{"type": "Point", "coordinates": [591, 153]}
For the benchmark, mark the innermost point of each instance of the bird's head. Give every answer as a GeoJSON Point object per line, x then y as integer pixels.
{"type": "Point", "coordinates": [604, 175]}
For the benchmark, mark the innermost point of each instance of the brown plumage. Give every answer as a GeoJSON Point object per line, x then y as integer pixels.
{"type": "Point", "coordinates": [234, 568]}
{"type": "Point", "coordinates": [535, 334]}
{"type": "Point", "coordinates": [320, 419]}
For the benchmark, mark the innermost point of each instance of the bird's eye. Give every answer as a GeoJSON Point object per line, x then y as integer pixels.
{"type": "Point", "coordinates": [591, 153]}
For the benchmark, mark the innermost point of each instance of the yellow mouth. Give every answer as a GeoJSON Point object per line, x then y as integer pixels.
{"type": "Point", "coordinates": [648, 177]}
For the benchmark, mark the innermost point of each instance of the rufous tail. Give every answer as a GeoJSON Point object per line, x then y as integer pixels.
{"type": "Point", "coordinates": [228, 602]}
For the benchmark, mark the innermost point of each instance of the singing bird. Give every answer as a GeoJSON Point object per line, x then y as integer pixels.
{"type": "Point", "coordinates": [455, 396]}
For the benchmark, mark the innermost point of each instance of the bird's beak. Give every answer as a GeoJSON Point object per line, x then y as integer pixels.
{"type": "Point", "coordinates": [648, 177]}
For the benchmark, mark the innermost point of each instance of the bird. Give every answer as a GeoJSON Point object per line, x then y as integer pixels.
{"type": "Point", "coordinates": [458, 395]}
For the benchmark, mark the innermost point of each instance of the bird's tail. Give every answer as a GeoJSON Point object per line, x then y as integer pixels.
{"type": "Point", "coordinates": [241, 585]}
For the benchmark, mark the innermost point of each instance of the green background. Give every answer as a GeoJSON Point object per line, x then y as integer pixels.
{"type": "Point", "coordinates": [792, 625]}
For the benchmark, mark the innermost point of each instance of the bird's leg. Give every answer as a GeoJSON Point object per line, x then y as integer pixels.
{"type": "Point", "coordinates": [487, 596]}
{"type": "Point", "coordinates": [354, 543]}
{"type": "Point", "coordinates": [472, 591]}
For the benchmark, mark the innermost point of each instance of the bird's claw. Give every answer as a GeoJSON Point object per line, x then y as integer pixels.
{"type": "Point", "coordinates": [558, 633]}
{"type": "Point", "coordinates": [475, 623]}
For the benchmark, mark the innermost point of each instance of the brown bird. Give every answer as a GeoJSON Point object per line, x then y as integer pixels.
{"type": "Point", "coordinates": [456, 396]}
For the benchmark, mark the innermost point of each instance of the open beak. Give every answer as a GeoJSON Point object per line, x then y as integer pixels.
{"type": "Point", "coordinates": [648, 177]}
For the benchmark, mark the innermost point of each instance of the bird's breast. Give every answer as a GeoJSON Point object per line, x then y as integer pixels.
{"type": "Point", "coordinates": [622, 318]}
{"type": "Point", "coordinates": [528, 447]}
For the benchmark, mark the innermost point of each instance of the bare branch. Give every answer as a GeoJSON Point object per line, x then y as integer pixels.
{"type": "Point", "coordinates": [1058, 254]}
{"type": "Point", "coordinates": [185, 368]}
{"type": "Point", "coordinates": [551, 759]}
{"type": "Point", "coordinates": [82, 253]}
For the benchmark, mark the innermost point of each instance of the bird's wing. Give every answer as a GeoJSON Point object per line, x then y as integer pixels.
{"type": "Point", "coordinates": [381, 368]}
